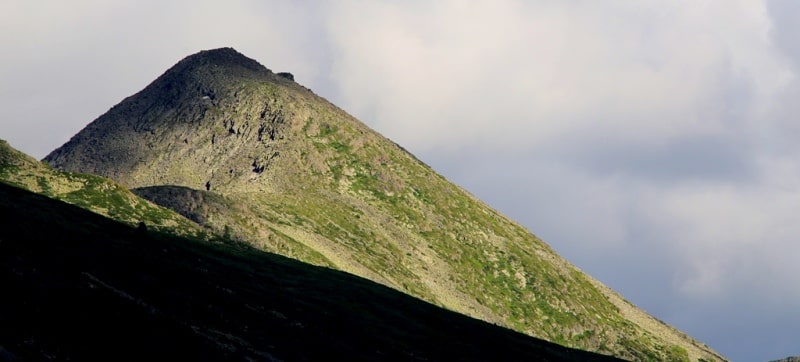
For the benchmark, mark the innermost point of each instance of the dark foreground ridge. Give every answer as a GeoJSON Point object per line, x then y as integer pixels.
{"type": "Point", "coordinates": [78, 286]}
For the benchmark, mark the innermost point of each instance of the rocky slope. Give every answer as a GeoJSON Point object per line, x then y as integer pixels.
{"type": "Point", "coordinates": [255, 156]}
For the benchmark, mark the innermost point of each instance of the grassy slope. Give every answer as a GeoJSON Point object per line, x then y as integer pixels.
{"type": "Point", "coordinates": [231, 219]}
{"type": "Point", "coordinates": [388, 216]}
{"type": "Point", "coordinates": [90, 192]}
{"type": "Point", "coordinates": [85, 287]}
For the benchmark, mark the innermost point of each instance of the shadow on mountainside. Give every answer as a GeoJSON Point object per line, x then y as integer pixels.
{"type": "Point", "coordinates": [79, 286]}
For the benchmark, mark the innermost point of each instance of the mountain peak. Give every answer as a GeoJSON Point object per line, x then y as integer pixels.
{"type": "Point", "coordinates": [232, 117]}
{"type": "Point", "coordinates": [256, 157]}
{"type": "Point", "coordinates": [210, 71]}
{"type": "Point", "coordinates": [221, 57]}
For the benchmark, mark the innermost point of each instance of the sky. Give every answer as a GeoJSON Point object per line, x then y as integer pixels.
{"type": "Point", "coordinates": [651, 143]}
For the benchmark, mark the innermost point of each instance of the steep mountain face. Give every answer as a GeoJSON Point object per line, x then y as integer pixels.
{"type": "Point", "coordinates": [259, 158]}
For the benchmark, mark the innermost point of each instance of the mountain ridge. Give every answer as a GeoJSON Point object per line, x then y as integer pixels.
{"type": "Point", "coordinates": [311, 181]}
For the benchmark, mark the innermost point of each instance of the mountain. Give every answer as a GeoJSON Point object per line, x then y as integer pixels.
{"type": "Point", "coordinates": [256, 157]}
{"type": "Point", "coordinates": [79, 286]}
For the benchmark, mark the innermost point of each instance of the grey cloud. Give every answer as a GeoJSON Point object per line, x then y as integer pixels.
{"type": "Point", "coordinates": [784, 15]}
{"type": "Point", "coordinates": [609, 226]}
{"type": "Point", "coordinates": [688, 159]}
{"type": "Point", "coordinates": [743, 323]}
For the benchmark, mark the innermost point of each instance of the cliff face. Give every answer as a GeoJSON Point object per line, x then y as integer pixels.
{"type": "Point", "coordinates": [259, 158]}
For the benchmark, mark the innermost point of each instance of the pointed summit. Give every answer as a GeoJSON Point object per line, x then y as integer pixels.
{"type": "Point", "coordinates": [208, 73]}
{"type": "Point", "coordinates": [213, 68]}
{"type": "Point", "coordinates": [226, 57]}
{"type": "Point", "coordinates": [218, 108]}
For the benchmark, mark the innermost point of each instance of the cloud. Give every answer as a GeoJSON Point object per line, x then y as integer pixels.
{"type": "Point", "coordinates": [651, 143]}
{"type": "Point", "coordinates": [66, 64]}
{"type": "Point", "coordinates": [738, 238]}
{"type": "Point", "coordinates": [533, 72]}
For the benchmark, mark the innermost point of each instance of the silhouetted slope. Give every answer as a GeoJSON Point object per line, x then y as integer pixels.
{"type": "Point", "coordinates": [79, 286]}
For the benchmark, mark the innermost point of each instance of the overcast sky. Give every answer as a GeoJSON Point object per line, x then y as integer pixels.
{"type": "Point", "coordinates": [654, 144]}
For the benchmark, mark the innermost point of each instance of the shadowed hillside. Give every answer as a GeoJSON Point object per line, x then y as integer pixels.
{"type": "Point", "coordinates": [78, 286]}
